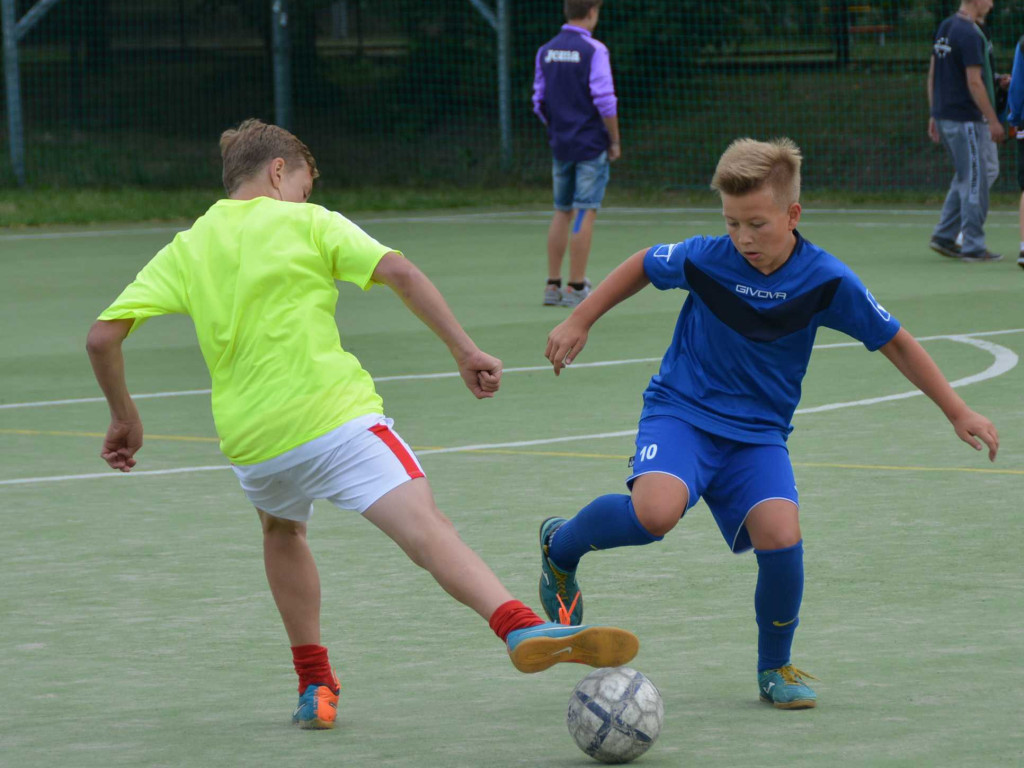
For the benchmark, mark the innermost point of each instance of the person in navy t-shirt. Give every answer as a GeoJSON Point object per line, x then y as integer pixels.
{"type": "Point", "coordinates": [574, 96]}
{"type": "Point", "coordinates": [717, 414]}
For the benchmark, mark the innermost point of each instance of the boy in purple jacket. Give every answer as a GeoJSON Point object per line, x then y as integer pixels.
{"type": "Point", "coordinates": [574, 96]}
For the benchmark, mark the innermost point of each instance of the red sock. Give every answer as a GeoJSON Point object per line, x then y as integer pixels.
{"type": "Point", "coordinates": [511, 616]}
{"type": "Point", "coordinates": [313, 667]}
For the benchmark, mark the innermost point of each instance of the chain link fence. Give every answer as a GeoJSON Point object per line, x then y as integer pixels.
{"type": "Point", "coordinates": [405, 92]}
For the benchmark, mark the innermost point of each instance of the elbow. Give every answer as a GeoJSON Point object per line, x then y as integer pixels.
{"type": "Point", "coordinates": [94, 344]}
{"type": "Point", "coordinates": [103, 336]}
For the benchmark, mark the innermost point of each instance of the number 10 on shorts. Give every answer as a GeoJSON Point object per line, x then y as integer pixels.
{"type": "Point", "coordinates": [648, 452]}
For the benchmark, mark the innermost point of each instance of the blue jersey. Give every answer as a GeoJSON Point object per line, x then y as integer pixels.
{"type": "Point", "coordinates": [743, 339]}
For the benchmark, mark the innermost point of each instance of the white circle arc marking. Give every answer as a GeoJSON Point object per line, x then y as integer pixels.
{"type": "Point", "coordinates": [1005, 360]}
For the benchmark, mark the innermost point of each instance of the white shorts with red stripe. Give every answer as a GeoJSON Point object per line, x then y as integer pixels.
{"type": "Point", "coordinates": [352, 466]}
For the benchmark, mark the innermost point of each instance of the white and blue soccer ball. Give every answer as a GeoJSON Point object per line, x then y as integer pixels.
{"type": "Point", "coordinates": [615, 714]}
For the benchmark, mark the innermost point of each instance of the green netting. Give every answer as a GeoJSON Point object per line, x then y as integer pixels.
{"type": "Point", "coordinates": [406, 92]}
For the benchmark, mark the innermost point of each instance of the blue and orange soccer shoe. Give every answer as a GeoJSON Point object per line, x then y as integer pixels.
{"type": "Point", "coordinates": [536, 648]}
{"type": "Point", "coordinates": [560, 595]}
{"type": "Point", "coordinates": [318, 707]}
{"type": "Point", "coordinates": [785, 688]}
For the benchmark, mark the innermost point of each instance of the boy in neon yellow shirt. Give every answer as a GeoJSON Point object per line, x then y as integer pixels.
{"type": "Point", "coordinates": [297, 415]}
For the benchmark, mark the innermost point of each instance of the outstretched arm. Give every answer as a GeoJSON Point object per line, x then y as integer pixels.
{"type": "Point", "coordinates": [567, 340]}
{"type": "Point", "coordinates": [910, 358]}
{"type": "Point", "coordinates": [124, 435]}
{"type": "Point", "coordinates": [481, 372]}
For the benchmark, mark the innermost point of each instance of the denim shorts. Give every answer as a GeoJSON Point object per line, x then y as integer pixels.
{"type": "Point", "coordinates": [730, 476]}
{"type": "Point", "coordinates": [580, 183]}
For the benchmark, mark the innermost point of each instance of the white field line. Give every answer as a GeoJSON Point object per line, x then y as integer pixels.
{"type": "Point", "coordinates": [484, 217]}
{"type": "Point", "coordinates": [1005, 360]}
{"type": "Point", "coordinates": [455, 374]}
{"type": "Point", "coordinates": [89, 233]}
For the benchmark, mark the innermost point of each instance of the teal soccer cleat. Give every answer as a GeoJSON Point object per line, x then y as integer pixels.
{"type": "Point", "coordinates": [785, 688]}
{"type": "Point", "coordinates": [559, 593]}
{"type": "Point", "coordinates": [536, 648]}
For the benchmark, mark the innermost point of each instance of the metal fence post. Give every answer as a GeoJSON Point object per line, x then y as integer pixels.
{"type": "Point", "coordinates": [282, 54]}
{"type": "Point", "coordinates": [504, 84]}
{"type": "Point", "coordinates": [12, 82]}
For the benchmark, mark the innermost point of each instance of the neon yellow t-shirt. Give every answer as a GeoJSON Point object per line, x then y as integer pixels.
{"type": "Point", "coordinates": [257, 279]}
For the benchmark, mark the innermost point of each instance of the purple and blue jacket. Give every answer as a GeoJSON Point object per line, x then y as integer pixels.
{"type": "Point", "coordinates": [572, 92]}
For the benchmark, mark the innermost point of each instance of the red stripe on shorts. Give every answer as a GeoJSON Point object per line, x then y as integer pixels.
{"type": "Point", "coordinates": [391, 441]}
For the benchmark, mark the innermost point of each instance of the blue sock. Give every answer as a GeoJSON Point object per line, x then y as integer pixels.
{"type": "Point", "coordinates": [780, 587]}
{"type": "Point", "coordinates": [606, 522]}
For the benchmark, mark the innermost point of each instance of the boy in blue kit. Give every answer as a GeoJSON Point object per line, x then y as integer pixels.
{"type": "Point", "coordinates": [717, 414]}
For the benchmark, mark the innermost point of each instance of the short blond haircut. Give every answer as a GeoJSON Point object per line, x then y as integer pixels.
{"type": "Point", "coordinates": [749, 165]}
{"type": "Point", "coordinates": [247, 148]}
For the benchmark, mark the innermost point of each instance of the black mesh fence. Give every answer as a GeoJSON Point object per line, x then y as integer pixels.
{"type": "Point", "coordinates": [404, 92]}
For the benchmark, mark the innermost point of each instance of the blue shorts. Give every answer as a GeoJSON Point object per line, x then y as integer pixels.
{"type": "Point", "coordinates": [580, 184]}
{"type": "Point", "coordinates": [732, 477]}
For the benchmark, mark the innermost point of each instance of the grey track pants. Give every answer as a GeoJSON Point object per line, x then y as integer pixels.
{"type": "Point", "coordinates": [974, 164]}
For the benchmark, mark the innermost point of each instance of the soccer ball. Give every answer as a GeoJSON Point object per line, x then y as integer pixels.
{"type": "Point", "coordinates": [615, 714]}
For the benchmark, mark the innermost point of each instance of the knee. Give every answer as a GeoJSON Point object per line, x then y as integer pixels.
{"type": "Point", "coordinates": [658, 517]}
{"type": "Point", "coordinates": [782, 540]}
{"type": "Point", "coordinates": [779, 537]}
{"type": "Point", "coordinates": [277, 528]}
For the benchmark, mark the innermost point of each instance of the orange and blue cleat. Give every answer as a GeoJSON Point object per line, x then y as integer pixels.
{"type": "Point", "coordinates": [318, 707]}
{"type": "Point", "coordinates": [533, 649]}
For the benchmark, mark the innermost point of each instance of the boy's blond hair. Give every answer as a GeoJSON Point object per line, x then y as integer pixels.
{"type": "Point", "coordinates": [247, 148]}
{"type": "Point", "coordinates": [748, 165]}
{"type": "Point", "coordinates": [578, 9]}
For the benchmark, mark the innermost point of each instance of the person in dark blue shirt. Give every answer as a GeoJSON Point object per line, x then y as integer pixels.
{"type": "Point", "coordinates": [961, 99]}
{"type": "Point", "coordinates": [717, 415]}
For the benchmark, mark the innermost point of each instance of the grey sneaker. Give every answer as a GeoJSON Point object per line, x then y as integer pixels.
{"type": "Point", "coordinates": [553, 296]}
{"type": "Point", "coordinates": [571, 297]}
{"type": "Point", "coordinates": [945, 247]}
{"type": "Point", "coordinates": [985, 255]}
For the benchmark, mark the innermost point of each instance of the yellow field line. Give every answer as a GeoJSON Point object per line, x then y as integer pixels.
{"type": "Point", "coordinates": [884, 468]}
{"type": "Point", "coordinates": [878, 467]}
{"type": "Point", "coordinates": [567, 454]}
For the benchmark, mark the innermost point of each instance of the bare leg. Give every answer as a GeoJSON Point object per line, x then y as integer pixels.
{"type": "Point", "coordinates": [660, 501]}
{"type": "Point", "coordinates": [410, 517]}
{"type": "Point", "coordinates": [774, 524]}
{"type": "Point", "coordinates": [294, 581]}
{"type": "Point", "coordinates": [579, 247]}
{"type": "Point", "coordinates": [558, 240]}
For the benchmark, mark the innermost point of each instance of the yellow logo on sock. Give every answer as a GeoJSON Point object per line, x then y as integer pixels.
{"type": "Point", "coordinates": [783, 623]}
